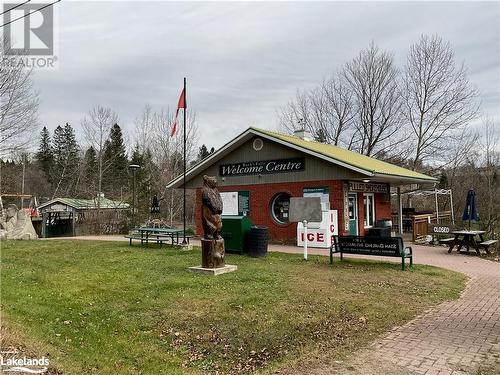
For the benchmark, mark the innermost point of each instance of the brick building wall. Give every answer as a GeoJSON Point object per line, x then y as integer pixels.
{"type": "Point", "coordinates": [382, 210]}
{"type": "Point", "coordinates": [262, 195]}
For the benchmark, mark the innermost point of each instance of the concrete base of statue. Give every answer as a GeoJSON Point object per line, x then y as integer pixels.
{"type": "Point", "coordinates": [212, 258]}
{"type": "Point", "coordinates": [214, 271]}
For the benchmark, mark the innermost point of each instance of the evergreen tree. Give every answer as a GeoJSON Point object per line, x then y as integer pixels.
{"type": "Point", "coordinates": [66, 160]}
{"type": "Point", "coordinates": [45, 156]}
{"type": "Point", "coordinates": [72, 150]}
{"type": "Point", "coordinates": [59, 154]}
{"type": "Point", "coordinates": [320, 136]}
{"type": "Point", "coordinates": [203, 152]}
{"type": "Point", "coordinates": [90, 172]}
{"type": "Point", "coordinates": [146, 183]}
{"type": "Point", "coordinates": [115, 163]}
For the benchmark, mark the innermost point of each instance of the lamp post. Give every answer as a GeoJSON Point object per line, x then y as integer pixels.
{"type": "Point", "coordinates": [134, 168]}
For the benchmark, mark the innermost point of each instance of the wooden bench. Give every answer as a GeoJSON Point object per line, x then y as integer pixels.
{"type": "Point", "coordinates": [486, 245]}
{"type": "Point", "coordinates": [389, 247]}
{"type": "Point", "coordinates": [446, 241]}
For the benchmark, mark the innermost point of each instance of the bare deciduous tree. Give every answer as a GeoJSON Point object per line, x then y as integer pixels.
{"type": "Point", "coordinates": [373, 78]}
{"type": "Point", "coordinates": [438, 97]}
{"type": "Point", "coordinates": [326, 111]}
{"type": "Point", "coordinates": [18, 106]}
{"type": "Point", "coordinates": [358, 107]}
{"type": "Point", "coordinates": [297, 114]}
{"type": "Point", "coordinates": [339, 109]}
{"type": "Point", "coordinates": [153, 133]}
{"type": "Point", "coordinates": [491, 165]}
{"type": "Point", "coordinates": [96, 126]}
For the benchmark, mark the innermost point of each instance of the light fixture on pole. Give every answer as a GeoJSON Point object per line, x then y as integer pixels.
{"type": "Point", "coordinates": [134, 168]}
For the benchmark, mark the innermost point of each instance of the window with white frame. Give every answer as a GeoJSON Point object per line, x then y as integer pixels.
{"type": "Point", "coordinates": [369, 201]}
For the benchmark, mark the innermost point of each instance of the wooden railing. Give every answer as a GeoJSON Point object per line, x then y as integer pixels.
{"type": "Point", "coordinates": [419, 222]}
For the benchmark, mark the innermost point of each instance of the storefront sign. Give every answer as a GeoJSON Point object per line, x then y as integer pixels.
{"type": "Point", "coordinates": [262, 167]}
{"type": "Point", "coordinates": [368, 187]}
{"type": "Point", "coordinates": [320, 237]}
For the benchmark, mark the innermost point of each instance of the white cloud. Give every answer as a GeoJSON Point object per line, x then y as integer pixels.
{"type": "Point", "coordinates": [242, 60]}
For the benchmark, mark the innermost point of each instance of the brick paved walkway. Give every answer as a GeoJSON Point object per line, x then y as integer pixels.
{"type": "Point", "coordinates": [455, 337]}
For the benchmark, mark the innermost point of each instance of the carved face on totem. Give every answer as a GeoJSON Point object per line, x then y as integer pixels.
{"type": "Point", "coordinates": [211, 182]}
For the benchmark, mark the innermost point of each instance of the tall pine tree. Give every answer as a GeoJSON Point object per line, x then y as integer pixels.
{"type": "Point", "coordinates": [146, 183]}
{"type": "Point", "coordinates": [90, 172]}
{"type": "Point", "coordinates": [115, 174]}
{"type": "Point", "coordinates": [66, 160]}
{"type": "Point", "coordinates": [45, 155]}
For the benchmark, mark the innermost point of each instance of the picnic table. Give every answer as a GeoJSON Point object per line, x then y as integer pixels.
{"type": "Point", "coordinates": [468, 239]}
{"type": "Point", "coordinates": [158, 235]}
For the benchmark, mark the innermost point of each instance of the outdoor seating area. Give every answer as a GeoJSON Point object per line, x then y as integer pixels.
{"type": "Point", "coordinates": [468, 239]}
{"type": "Point", "coordinates": [158, 235]}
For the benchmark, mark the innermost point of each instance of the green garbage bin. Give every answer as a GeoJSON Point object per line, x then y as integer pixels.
{"type": "Point", "coordinates": [234, 232]}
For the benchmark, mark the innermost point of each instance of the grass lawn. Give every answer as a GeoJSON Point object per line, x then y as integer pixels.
{"type": "Point", "coordinates": [107, 308]}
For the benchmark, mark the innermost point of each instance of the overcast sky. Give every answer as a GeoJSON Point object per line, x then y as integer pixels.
{"type": "Point", "coordinates": [242, 60]}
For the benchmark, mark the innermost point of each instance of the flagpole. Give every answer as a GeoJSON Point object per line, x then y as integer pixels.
{"type": "Point", "coordinates": [184, 242]}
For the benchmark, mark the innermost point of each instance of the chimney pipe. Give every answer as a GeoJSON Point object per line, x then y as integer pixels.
{"type": "Point", "coordinates": [303, 134]}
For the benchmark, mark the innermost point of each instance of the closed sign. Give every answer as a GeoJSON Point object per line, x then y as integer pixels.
{"type": "Point", "coordinates": [438, 229]}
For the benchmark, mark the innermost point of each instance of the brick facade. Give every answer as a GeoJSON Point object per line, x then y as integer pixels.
{"type": "Point", "coordinates": [261, 196]}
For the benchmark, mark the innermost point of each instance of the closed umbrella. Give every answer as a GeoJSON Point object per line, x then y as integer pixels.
{"type": "Point", "coordinates": [155, 205]}
{"type": "Point", "coordinates": [470, 211]}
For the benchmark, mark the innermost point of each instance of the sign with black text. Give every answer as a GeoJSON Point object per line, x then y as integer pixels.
{"type": "Point", "coordinates": [262, 167]}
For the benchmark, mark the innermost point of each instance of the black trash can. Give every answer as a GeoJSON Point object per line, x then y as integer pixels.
{"type": "Point", "coordinates": [257, 241]}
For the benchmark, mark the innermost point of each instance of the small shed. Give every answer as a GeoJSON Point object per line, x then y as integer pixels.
{"type": "Point", "coordinates": [75, 217]}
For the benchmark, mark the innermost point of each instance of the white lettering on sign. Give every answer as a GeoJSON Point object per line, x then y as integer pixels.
{"type": "Point", "coordinates": [262, 167]}
{"type": "Point", "coordinates": [432, 228]}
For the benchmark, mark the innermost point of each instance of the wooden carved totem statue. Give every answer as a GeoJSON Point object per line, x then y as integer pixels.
{"type": "Point", "coordinates": [211, 209]}
{"type": "Point", "coordinates": [211, 206]}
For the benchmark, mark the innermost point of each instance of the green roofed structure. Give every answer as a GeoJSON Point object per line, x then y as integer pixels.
{"type": "Point", "coordinates": [260, 170]}
{"type": "Point", "coordinates": [74, 216]}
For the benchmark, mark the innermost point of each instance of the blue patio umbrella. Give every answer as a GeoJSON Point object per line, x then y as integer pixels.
{"type": "Point", "coordinates": [470, 211]}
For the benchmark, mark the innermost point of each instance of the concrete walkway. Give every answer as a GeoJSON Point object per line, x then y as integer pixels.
{"type": "Point", "coordinates": [453, 338]}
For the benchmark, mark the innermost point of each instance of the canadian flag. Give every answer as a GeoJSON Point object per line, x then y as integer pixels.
{"type": "Point", "coordinates": [181, 104]}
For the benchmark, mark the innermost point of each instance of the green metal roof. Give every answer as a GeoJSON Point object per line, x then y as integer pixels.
{"type": "Point", "coordinates": [352, 158]}
{"type": "Point", "coordinates": [374, 169]}
{"type": "Point", "coordinates": [87, 204]}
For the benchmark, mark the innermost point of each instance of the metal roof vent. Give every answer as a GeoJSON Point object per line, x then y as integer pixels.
{"type": "Point", "coordinates": [303, 134]}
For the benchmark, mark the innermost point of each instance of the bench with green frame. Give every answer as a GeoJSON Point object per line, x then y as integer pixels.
{"type": "Point", "coordinates": [379, 246]}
